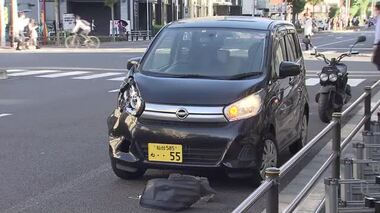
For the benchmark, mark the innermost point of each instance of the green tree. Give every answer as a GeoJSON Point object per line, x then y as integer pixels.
{"type": "Point", "coordinates": [297, 7]}
{"type": "Point", "coordinates": [333, 11]}
{"type": "Point", "coordinates": [313, 3]}
{"type": "Point", "coordinates": [111, 4]}
{"type": "Point", "coordinates": [359, 8]}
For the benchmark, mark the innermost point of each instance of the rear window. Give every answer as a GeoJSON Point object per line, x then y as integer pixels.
{"type": "Point", "coordinates": [206, 52]}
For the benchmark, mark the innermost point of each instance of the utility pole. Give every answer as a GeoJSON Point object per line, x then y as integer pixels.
{"type": "Point", "coordinates": [14, 17]}
{"type": "Point", "coordinates": [147, 18]}
{"type": "Point", "coordinates": [56, 5]}
{"type": "Point", "coordinates": [253, 7]}
{"type": "Point", "coordinates": [2, 24]}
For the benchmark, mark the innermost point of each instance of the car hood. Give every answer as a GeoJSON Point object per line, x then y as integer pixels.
{"type": "Point", "coordinates": [195, 91]}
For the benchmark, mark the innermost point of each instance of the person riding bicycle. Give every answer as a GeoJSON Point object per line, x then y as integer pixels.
{"type": "Point", "coordinates": [81, 27]}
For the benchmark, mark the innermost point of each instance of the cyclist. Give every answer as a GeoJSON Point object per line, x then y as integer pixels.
{"type": "Point", "coordinates": [82, 27]}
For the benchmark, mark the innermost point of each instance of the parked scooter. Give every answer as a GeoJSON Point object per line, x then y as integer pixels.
{"type": "Point", "coordinates": [334, 91]}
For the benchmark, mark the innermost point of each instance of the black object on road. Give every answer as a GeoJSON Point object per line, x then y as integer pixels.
{"type": "Point", "coordinates": [176, 193]}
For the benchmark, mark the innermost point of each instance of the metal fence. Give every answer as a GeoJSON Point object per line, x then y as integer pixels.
{"type": "Point", "coordinates": [267, 195]}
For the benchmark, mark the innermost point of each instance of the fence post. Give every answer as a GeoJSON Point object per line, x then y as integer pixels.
{"type": "Point", "coordinates": [367, 108]}
{"type": "Point", "coordinates": [358, 167]}
{"type": "Point", "coordinates": [331, 190]}
{"type": "Point", "coordinates": [273, 173]}
{"type": "Point", "coordinates": [336, 138]}
{"type": "Point", "coordinates": [345, 190]}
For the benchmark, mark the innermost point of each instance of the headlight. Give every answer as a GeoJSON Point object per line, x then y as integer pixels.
{"type": "Point", "coordinates": [131, 101]}
{"type": "Point", "coordinates": [333, 77]}
{"type": "Point", "coordinates": [244, 108]}
{"type": "Point", "coordinates": [324, 77]}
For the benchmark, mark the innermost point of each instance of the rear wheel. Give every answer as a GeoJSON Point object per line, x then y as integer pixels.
{"type": "Point", "coordinates": [325, 108]}
{"type": "Point", "coordinates": [72, 42]}
{"type": "Point", "coordinates": [296, 146]}
{"type": "Point", "coordinates": [93, 42]}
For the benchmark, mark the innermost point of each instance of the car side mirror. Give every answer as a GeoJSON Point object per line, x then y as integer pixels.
{"type": "Point", "coordinates": [133, 62]}
{"type": "Point", "coordinates": [361, 39]}
{"type": "Point", "coordinates": [288, 68]}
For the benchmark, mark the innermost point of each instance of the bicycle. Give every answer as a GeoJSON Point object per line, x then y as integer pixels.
{"type": "Point", "coordinates": [75, 41]}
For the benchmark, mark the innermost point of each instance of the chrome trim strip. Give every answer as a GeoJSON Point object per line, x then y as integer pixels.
{"type": "Point", "coordinates": [190, 118]}
{"type": "Point", "coordinates": [164, 108]}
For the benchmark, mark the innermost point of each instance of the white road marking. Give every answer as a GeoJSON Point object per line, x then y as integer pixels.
{"type": "Point", "coordinates": [349, 72]}
{"type": "Point", "coordinates": [15, 70]}
{"type": "Point", "coordinates": [101, 75]}
{"type": "Point", "coordinates": [37, 72]}
{"type": "Point", "coordinates": [4, 115]}
{"type": "Point", "coordinates": [351, 76]}
{"type": "Point", "coordinates": [312, 81]}
{"type": "Point", "coordinates": [355, 82]}
{"type": "Point", "coordinates": [117, 79]}
{"type": "Point", "coordinates": [352, 82]}
{"type": "Point", "coordinates": [339, 37]}
{"type": "Point", "coordinates": [63, 74]}
{"type": "Point", "coordinates": [115, 90]}
{"type": "Point", "coordinates": [337, 42]}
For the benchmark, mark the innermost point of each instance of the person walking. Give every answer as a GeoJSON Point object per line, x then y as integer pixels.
{"type": "Point", "coordinates": [376, 43]}
{"type": "Point", "coordinates": [307, 29]}
{"type": "Point", "coordinates": [21, 23]}
{"type": "Point", "coordinates": [33, 33]}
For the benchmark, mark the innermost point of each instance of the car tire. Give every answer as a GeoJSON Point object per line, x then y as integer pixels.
{"type": "Point", "coordinates": [269, 146]}
{"type": "Point", "coordinates": [296, 146]}
{"type": "Point", "coordinates": [125, 174]}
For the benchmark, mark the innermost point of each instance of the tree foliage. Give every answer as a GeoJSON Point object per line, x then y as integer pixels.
{"type": "Point", "coordinates": [314, 2]}
{"type": "Point", "coordinates": [110, 3]}
{"type": "Point", "coordinates": [359, 8]}
{"type": "Point", "coordinates": [297, 7]}
{"type": "Point", "coordinates": [333, 11]}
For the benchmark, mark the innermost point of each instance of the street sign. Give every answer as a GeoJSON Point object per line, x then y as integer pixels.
{"type": "Point", "coordinates": [68, 21]}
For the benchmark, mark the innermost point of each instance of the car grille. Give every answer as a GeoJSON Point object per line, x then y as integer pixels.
{"type": "Point", "coordinates": [201, 154]}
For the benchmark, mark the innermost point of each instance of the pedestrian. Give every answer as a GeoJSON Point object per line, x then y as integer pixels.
{"type": "Point", "coordinates": [33, 33]}
{"type": "Point", "coordinates": [376, 43]}
{"type": "Point", "coordinates": [21, 25]}
{"type": "Point", "coordinates": [307, 28]}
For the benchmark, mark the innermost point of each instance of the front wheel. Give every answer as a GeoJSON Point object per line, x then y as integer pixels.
{"type": "Point", "coordinates": [325, 108]}
{"type": "Point", "coordinates": [269, 157]}
{"type": "Point", "coordinates": [93, 42]}
{"type": "Point", "coordinates": [72, 42]}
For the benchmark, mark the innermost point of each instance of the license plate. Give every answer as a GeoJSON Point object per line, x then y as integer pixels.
{"type": "Point", "coordinates": [165, 152]}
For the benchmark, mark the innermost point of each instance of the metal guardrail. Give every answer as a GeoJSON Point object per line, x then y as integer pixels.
{"type": "Point", "coordinates": [274, 176]}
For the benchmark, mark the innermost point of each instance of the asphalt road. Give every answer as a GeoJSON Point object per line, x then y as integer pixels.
{"type": "Point", "coordinates": [53, 134]}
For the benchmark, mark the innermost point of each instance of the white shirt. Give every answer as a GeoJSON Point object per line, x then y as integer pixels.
{"type": "Point", "coordinates": [308, 27]}
{"type": "Point", "coordinates": [81, 25]}
{"type": "Point", "coordinates": [377, 30]}
{"type": "Point", "coordinates": [22, 22]}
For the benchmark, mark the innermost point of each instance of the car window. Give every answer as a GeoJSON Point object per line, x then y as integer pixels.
{"type": "Point", "coordinates": [290, 48]}
{"type": "Point", "coordinates": [207, 52]}
{"type": "Point", "coordinates": [294, 37]}
{"type": "Point", "coordinates": [163, 52]}
{"type": "Point", "coordinates": [279, 56]}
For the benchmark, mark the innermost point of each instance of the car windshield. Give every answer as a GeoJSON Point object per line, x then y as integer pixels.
{"type": "Point", "coordinates": [206, 53]}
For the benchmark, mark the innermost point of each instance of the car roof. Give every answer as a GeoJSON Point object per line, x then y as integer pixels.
{"type": "Point", "coordinates": [244, 22]}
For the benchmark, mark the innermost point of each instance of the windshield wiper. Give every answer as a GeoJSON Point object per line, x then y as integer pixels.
{"type": "Point", "coordinates": [245, 75]}
{"type": "Point", "coordinates": [194, 76]}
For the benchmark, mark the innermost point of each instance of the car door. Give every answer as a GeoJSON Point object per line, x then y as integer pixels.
{"type": "Point", "coordinates": [295, 86]}
{"type": "Point", "coordinates": [282, 112]}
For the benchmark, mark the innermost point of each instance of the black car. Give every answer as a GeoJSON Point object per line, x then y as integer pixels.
{"type": "Point", "coordinates": [222, 92]}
